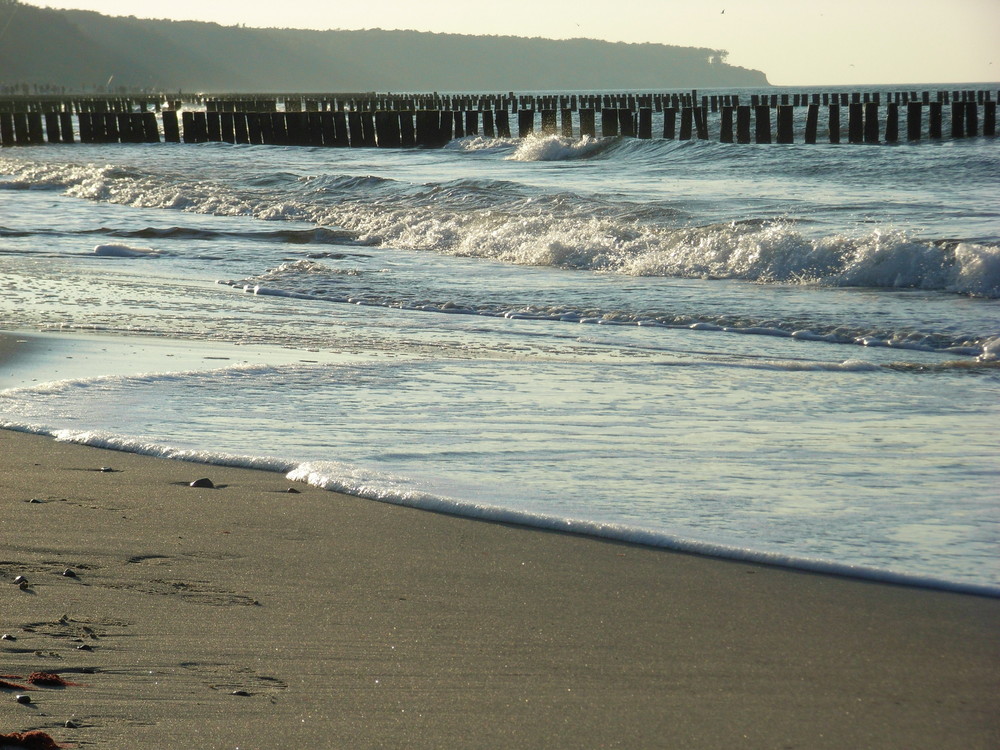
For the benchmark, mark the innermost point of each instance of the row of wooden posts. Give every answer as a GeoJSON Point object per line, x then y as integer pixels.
{"type": "Point", "coordinates": [866, 122]}
{"type": "Point", "coordinates": [472, 102]}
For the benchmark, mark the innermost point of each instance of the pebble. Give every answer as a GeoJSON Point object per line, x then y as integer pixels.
{"type": "Point", "coordinates": [106, 469]}
{"type": "Point", "coordinates": [35, 500]}
{"type": "Point", "coordinates": [84, 647]}
{"type": "Point", "coordinates": [7, 637]}
{"type": "Point", "coordinates": [70, 724]}
{"type": "Point", "coordinates": [69, 573]}
{"type": "Point", "coordinates": [240, 692]}
{"type": "Point", "coordinates": [20, 579]}
{"type": "Point", "coordinates": [203, 482]}
{"type": "Point", "coordinates": [25, 699]}
{"type": "Point", "coordinates": [292, 491]}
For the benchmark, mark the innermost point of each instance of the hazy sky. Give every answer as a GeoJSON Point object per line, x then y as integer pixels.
{"type": "Point", "coordinates": [795, 42]}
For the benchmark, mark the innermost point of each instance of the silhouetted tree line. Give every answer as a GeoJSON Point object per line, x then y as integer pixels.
{"type": "Point", "coordinates": [84, 50]}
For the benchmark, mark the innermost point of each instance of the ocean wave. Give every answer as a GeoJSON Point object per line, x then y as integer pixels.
{"type": "Point", "coordinates": [313, 279]}
{"type": "Point", "coordinates": [557, 148]}
{"type": "Point", "coordinates": [517, 224]}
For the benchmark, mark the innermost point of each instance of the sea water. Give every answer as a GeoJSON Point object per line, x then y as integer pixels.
{"type": "Point", "coordinates": [785, 353]}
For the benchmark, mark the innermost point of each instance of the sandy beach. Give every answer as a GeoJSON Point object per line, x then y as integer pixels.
{"type": "Point", "coordinates": [253, 617]}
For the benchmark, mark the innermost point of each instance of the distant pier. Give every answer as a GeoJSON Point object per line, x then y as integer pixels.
{"type": "Point", "coordinates": [431, 120]}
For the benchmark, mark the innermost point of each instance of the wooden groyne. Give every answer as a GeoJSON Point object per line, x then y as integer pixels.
{"type": "Point", "coordinates": [431, 120]}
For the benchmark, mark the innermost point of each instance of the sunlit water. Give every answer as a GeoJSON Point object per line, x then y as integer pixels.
{"type": "Point", "coordinates": [770, 352]}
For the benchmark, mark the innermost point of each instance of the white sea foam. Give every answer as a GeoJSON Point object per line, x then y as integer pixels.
{"type": "Point", "coordinates": [383, 487]}
{"type": "Point", "coordinates": [125, 251]}
{"type": "Point", "coordinates": [772, 252]}
{"type": "Point", "coordinates": [557, 148]}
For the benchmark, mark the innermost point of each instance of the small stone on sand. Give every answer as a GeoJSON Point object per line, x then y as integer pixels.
{"type": "Point", "coordinates": [203, 482]}
{"type": "Point", "coordinates": [23, 698]}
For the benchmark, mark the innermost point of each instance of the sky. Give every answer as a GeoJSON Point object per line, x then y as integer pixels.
{"type": "Point", "coordinates": [795, 42]}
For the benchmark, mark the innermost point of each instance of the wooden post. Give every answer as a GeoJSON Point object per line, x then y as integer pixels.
{"type": "Point", "coordinates": [458, 125]}
{"type": "Point", "coordinates": [241, 133]}
{"type": "Point", "coordinates": [36, 131]}
{"type": "Point", "coordinates": [428, 124]}
{"type": "Point", "coordinates": [489, 124]}
{"type": "Point", "coordinates": [407, 135]}
{"type": "Point", "coordinates": [503, 123]}
{"type": "Point", "coordinates": [812, 122]}
{"type": "Point", "coordinates": [227, 127]}
{"type": "Point", "coordinates": [726, 124]}
{"type": "Point", "coordinates": [150, 131]}
{"type": "Point", "coordinates": [327, 128]}
{"type": "Point", "coordinates": [609, 122]}
{"type": "Point", "coordinates": [834, 123]}
{"type": "Point", "coordinates": [935, 127]}
{"type": "Point", "coordinates": [112, 132]}
{"type": "Point", "coordinates": [266, 125]}
{"type": "Point", "coordinates": [66, 121]}
{"type": "Point", "coordinates": [626, 121]}
{"type": "Point", "coordinates": [21, 128]}
{"type": "Point", "coordinates": [743, 124]}
{"type": "Point", "coordinates": [871, 122]}
{"type": "Point", "coordinates": [278, 128]}
{"type": "Point", "coordinates": [687, 121]}
{"type": "Point", "coordinates": [549, 122]}
{"type": "Point", "coordinates": [700, 122]}
{"type": "Point", "coordinates": [525, 122]}
{"type": "Point", "coordinates": [645, 123]}
{"type": "Point", "coordinates": [472, 122]}
{"type": "Point", "coordinates": [86, 123]}
{"type": "Point", "coordinates": [914, 112]}
{"type": "Point", "coordinates": [342, 133]}
{"type": "Point", "coordinates": [989, 118]}
{"type": "Point", "coordinates": [762, 119]}
{"type": "Point", "coordinates": [971, 119]}
{"type": "Point", "coordinates": [957, 120]}
{"type": "Point", "coordinates": [171, 133]}
{"type": "Point", "coordinates": [7, 129]}
{"type": "Point", "coordinates": [296, 125]}
{"type": "Point", "coordinates": [891, 122]}
{"type": "Point", "coordinates": [255, 133]}
{"type": "Point", "coordinates": [214, 121]}
{"type": "Point", "coordinates": [52, 127]}
{"type": "Point", "coordinates": [786, 132]}
{"type": "Point", "coordinates": [566, 115]}
{"type": "Point", "coordinates": [355, 128]}
{"type": "Point", "coordinates": [855, 123]}
{"type": "Point", "coordinates": [387, 131]}
{"type": "Point", "coordinates": [446, 126]}
{"type": "Point", "coordinates": [588, 123]}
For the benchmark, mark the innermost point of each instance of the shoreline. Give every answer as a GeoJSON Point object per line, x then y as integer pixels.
{"type": "Point", "coordinates": [250, 616]}
{"type": "Point", "coordinates": [61, 355]}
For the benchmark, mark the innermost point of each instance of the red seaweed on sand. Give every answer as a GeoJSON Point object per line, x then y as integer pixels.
{"type": "Point", "coordinates": [33, 740]}
{"type": "Point", "coordinates": [48, 679]}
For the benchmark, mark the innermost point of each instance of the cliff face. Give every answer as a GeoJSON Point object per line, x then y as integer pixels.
{"type": "Point", "coordinates": [85, 50]}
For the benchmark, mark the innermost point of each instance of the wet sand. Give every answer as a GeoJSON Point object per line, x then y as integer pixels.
{"type": "Point", "coordinates": [246, 616]}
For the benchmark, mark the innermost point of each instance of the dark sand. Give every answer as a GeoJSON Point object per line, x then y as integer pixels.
{"type": "Point", "coordinates": [353, 624]}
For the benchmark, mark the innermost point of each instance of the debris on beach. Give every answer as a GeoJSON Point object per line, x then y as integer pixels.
{"type": "Point", "coordinates": [33, 740]}
{"type": "Point", "coordinates": [203, 482]}
{"type": "Point", "coordinates": [48, 679]}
